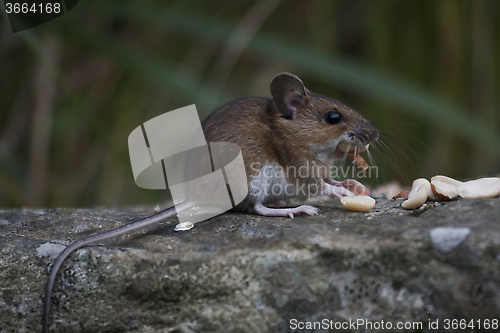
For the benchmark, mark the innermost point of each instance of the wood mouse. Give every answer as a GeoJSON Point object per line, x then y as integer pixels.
{"type": "Point", "coordinates": [288, 143]}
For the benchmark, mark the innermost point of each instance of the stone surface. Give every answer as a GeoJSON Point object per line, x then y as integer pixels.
{"type": "Point", "coordinates": [246, 273]}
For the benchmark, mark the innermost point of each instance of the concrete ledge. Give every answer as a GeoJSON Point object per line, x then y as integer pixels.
{"type": "Point", "coordinates": [245, 273]}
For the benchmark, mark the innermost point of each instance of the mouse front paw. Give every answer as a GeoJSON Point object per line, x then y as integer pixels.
{"type": "Point", "coordinates": [352, 185]}
{"type": "Point", "coordinates": [336, 191]}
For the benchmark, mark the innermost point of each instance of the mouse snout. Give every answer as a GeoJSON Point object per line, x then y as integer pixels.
{"type": "Point", "coordinates": [365, 133]}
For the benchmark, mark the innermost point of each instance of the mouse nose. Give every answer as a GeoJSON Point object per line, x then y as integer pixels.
{"type": "Point", "coordinates": [366, 133]}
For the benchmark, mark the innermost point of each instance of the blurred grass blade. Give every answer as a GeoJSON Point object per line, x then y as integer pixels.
{"type": "Point", "coordinates": [378, 85]}
{"type": "Point", "coordinates": [359, 78]}
{"type": "Point", "coordinates": [157, 72]}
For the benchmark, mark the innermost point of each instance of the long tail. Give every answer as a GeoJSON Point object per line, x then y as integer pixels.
{"type": "Point", "coordinates": [170, 212]}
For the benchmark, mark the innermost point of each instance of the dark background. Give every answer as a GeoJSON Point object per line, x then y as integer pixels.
{"type": "Point", "coordinates": [73, 89]}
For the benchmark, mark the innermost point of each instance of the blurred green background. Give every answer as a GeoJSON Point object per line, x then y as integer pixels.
{"type": "Point", "coordinates": [427, 72]}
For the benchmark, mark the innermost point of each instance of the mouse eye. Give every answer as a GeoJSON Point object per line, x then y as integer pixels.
{"type": "Point", "coordinates": [332, 117]}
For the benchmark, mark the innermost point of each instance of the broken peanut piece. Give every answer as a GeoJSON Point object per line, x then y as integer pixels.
{"type": "Point", "coordinates": [483, 188]}
{"type": "Point", "coordinates": [183, 226]}
{"type": "Point", "coordinates": [420, 191]}
{"type": "Point", "coordinates": [403, 195]}
{"type": "Point", "coordinates": [358, 203]}
{"type": "Point", "coordinates": [447, 180]}
{"type": "Point", "coordinates": [444, 187]}
{"type": "Point", "coordinates": [427, 184]}
{"type": "Point", "coordinates": [358, 160]}
{"type": "Point", "coordinates": [416, 198]}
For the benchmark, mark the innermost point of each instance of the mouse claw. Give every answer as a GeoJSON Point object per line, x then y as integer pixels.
{"type": "Point", "coordinates": [291, 215]}
{"type": "Point", "coordinates": [336, 191]}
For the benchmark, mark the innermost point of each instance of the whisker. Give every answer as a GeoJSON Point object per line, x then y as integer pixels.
{"type": "Point", "coordinates": [413, 137]}
{"type": "Point", "coordinates": [390, 158]}
{"type": "Point", "coordinates": [396, 124]}
{"type": "Point", "coordinates": [370, 157]}
{"type": "Point", "coordinates": [405, 143]}
{"type": "Point", "coordinates": [378, 149]}
{"type": "Point", "coordinates": [402, 151]}
{"type": "Point", "coordinates": [374, 164]}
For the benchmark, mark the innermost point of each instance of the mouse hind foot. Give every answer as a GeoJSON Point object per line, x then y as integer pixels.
{"type": "Point", "coordinates": [260, 209]}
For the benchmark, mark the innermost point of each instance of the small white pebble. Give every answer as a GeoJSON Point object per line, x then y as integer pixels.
{"type": "Point", "coordinates": [49, 250]}
{"type": "Point", "coordinates": [358, 203]}
{"type": "Point", "coordinates": [446, 239]}
{"type": "Point", "coordinates": [424, 207]}
{"type": "Point", "coordinates": [184, 226]}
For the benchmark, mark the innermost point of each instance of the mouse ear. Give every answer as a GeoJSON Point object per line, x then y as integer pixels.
{"type": "Point", "coordinates": [289, 94]}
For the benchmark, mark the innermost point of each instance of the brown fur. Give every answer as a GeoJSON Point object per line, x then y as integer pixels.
{"type": "Point", "coordinates": [266, 134]}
